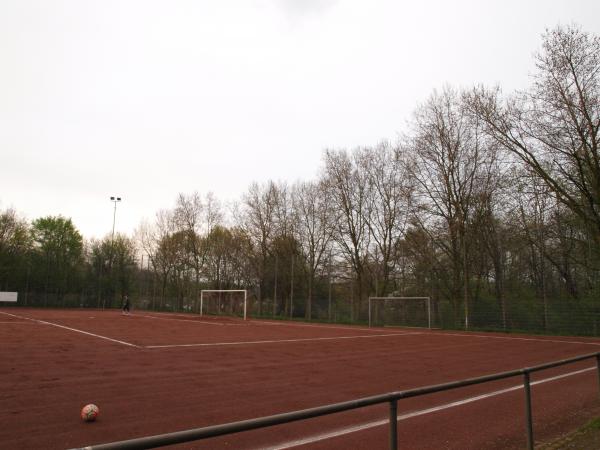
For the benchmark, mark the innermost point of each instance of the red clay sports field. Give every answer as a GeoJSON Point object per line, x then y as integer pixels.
{"type": "Point", "coordinates": [153, 373]}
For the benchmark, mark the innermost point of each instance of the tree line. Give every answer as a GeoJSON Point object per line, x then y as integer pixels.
{"type": "Point", "coordinates": [489, 203]}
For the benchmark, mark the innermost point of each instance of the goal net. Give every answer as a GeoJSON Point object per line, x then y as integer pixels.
{"type": "Point", "coordinates": [400, 312]}
{"type": "Point", "coordinates": [223, 302]}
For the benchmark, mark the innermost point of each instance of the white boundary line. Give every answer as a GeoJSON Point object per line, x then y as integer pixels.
{"type": "Point", "coordinates": [216, 344]}
{"type": "Point", "coordinates": [268, 323]}
{"type": "Point", "coordinates": [147, 316]}
{"type": "Point", "coordinates": [206, 344]}
{"type": "Point", "coordinates": [73, 329]}
{"type": "Point", "coordinates": [260, 322]}
{"type": "Point", "coordinates": [353, 429]}
{"type": "Point", "coordinates": [310, 325]}
{"type": "Point", "coordinates": [367, 330]}
{"type": "Point", "coordinates": [560, 341]}
{"type": "Point", "coordinates": [12, 322]}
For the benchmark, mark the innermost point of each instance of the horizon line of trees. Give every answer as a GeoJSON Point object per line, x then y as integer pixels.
{"type": "Point", "coordinates": [487, 203]}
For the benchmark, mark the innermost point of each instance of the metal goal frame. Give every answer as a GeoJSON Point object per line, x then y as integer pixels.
{"type": "Point", "coordinates": [428, 299]}
{"type": "Point", "coordinates": [223, 290]}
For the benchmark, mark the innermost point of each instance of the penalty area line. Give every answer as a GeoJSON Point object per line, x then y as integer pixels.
{"type": "Point", "coordinates": [74, 329]}
{"type": "Point", "coordinates": [147, 316]}
{"type": "Point", "coordinates": [276, 341]}
{"type": "Point", "coordinates": [311, 325]}
{"type": "Point", "coordinates": [353, 429]}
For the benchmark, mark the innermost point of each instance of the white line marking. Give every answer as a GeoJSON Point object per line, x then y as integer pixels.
{"type": "Point", "coordinates": [336, 327]}
{"type": "Point", "coordinates": [73, 329]}
{"type": "Point", "coordinates": [212, 344]}
{"type": "Point", "coordinates": [17, 323]}
{"type": "Point", "coordinates": [378, 423]}
{"type": "Point", "coordinates": [189, 320]}
{"type": "Point", "coordinates": [518, 338]}
{"type": "Point", "coordinates": [283, 323]}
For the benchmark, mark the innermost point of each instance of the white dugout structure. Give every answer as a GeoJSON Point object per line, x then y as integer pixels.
{"type": "Point", "coordinates": [8, 296]}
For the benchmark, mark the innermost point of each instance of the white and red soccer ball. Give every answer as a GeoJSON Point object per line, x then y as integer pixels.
{"type": "Point", "coordinates": [90, 412]}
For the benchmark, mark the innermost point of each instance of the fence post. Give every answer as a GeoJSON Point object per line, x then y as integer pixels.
{"type": "Point", "coordinates": [528, 415]}
{"type": "Point", "coordinates": [394, 424]}
{"type": "Point", "coordinates": [598, 366]}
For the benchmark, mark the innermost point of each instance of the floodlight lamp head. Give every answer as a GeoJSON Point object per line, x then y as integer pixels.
{"type": "Point", "coordinates": [112, 198]}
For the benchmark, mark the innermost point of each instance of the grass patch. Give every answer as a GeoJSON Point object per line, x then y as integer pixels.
{"type": "Point", "coordinates": [592, 425]}
{"type": "Point", "coordinates": [585, 438]}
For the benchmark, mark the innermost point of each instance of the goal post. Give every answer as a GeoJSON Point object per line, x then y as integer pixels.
{"type": "Point", "coordinates": [224, 305]}
{"type": "Point", "coordinates": [415, 311]}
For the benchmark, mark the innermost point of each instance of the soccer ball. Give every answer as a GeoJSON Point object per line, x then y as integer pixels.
{"type": "Point", "coordinates": [89, 412]}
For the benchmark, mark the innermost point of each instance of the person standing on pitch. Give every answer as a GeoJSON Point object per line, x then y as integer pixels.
{"type": "Point", "coordinates": [126, 304]}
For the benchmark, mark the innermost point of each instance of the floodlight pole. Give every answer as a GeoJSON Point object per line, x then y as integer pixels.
{"type": "Point", "coordinates": [115, 200]}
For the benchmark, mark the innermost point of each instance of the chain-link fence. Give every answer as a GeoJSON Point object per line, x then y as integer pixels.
{"type": "Point", "coordinates": [526, 315]}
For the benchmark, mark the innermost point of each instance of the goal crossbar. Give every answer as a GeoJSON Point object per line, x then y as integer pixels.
{"type": "Point", "coordinates": [427, 299]}
{"type": "Point", "coordinates": [222, 291]}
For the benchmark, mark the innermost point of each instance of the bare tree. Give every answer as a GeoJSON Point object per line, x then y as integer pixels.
{"type": "Point", "coordinates": [554, 127]}
{"type": "Point", "coordinates": [347, 189]}
{"type": "Point", "coordinates": [313, 230]}
{"type": "Point", "coordinates": [260, 223]}
{"type": "Point", "coordinates": [153, 240]}
{"type": "Point", "coordinates": [213, 212]}
{"type": "Point", "coordinates": [284, 247]}
{"type": "Point", "coordinates": [452, 165]}
{"type": "Point", "coordinates": [194, 220]}
{"type": "Point", "coordinates": [389, 198]}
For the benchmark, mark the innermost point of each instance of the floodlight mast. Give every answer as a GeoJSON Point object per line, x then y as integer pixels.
{"type": "Point", "coordinates": [428, 299]}
{"type": "Point", "coordinates": [115, 200]}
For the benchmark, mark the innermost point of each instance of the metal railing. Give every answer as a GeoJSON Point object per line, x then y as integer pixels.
{"type": "Point", "coordinates": [391, 398]}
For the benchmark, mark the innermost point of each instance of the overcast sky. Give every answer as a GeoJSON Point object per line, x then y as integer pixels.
{"type": "Point", "coordinates": [146, 99]}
